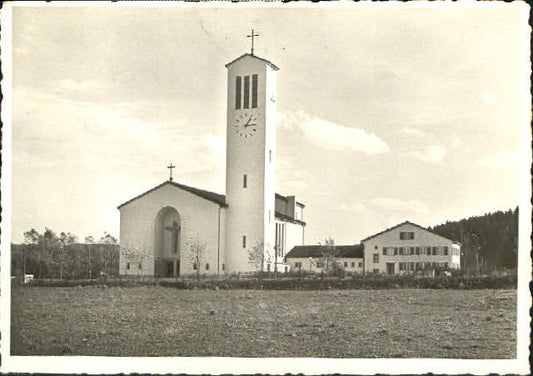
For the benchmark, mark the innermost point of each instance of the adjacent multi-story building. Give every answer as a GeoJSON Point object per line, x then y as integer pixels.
{"type": "Point", "coordinates": [408, 247]}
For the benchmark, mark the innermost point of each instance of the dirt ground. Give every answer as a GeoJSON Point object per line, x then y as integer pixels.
{"type": "Point", "coordinates": [150, 321]}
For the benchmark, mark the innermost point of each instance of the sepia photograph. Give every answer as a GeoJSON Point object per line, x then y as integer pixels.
{"type": "Point", "coordinates": [224, 187]}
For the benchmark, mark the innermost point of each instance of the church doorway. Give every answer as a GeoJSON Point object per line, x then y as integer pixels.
{"type": "Point", "coordinates": [167, 243]}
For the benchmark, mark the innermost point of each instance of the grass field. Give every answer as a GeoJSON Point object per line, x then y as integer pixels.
{"type": "Point", "coordinates": [149, 321]}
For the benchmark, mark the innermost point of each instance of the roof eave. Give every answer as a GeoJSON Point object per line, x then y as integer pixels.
{"type": "Point", "coordinates": [272, 65]}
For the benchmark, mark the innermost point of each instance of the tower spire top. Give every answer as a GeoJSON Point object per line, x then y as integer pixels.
{"type": "Point", "coordinates": [253, 35]}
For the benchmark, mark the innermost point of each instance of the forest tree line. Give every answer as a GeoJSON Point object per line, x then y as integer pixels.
{"type": "Point", "coordinates": [488, 242]}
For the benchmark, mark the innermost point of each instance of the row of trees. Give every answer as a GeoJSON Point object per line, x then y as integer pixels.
{"type": "Point", "coordinates": [52, 255]}
{"type": "Point", "coordinates": [488, 242]}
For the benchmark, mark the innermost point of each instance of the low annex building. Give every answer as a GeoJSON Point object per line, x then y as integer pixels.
{"type": "Point", "coordinates": [408, 247]}
{"type": "Point", "coordinates": [311, 258]}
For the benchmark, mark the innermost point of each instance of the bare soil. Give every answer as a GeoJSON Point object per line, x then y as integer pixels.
{"type": "Point", "coordinates": [150, 321]}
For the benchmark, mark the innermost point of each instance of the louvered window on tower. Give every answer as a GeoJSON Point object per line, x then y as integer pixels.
{"type": "Point", "coordinates": [246, 92]}
{"type": "Point", "coordinates": [238, 93]}
{"type": "Point", "coordinates": [254, 91]}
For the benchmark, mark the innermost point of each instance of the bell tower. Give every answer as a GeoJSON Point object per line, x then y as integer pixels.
{"type": "Point", "coordinates": [250, 159]}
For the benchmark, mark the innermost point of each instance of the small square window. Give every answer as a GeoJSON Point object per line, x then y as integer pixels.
{"type": "Point", "coordinates": [345, 264]}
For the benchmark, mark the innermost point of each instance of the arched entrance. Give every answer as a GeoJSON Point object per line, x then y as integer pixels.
{"type": "Point", "coordinates": [167, 243]}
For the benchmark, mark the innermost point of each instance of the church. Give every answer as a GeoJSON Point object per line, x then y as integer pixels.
{"type": "Point", "coordinates": [175, 230]}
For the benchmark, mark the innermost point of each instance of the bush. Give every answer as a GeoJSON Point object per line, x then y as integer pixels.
{"type": "Point", "coordinates": [289, 282]}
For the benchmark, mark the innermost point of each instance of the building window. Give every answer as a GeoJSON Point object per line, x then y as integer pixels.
{"type": "Point", "coordinates": [254, 91]}
{"type": "Point", "coordinates": [434, 251]}
{"type": "Point", "coordinates": [128, 266]}
{"type": "Point", "coordinates": [375, 270]}
{"type": "Point", "coordinates": [244, 241]}
{"type": "Point", "coordinates": [412, 250]}
{"type": "Point", "coordinates": [376, 258]}
{"type": "Point", "coordinates": [345, 264]}
{"type": "Point", "coordinates": [223, 266]}
{"type": "Point", "coordinates": [384, 251]}
{"type": "Point", "coordinates": [245, 181]}
{"type": "Point", "coordinates": [445, 251]}
{"type": "Point", "coordinates": [207, 266]}
{"type": "Point", "coordinates": [194, 266]}
{"type": "Point", "coordinates": [395, 251]}
{"type": "Point", "coordinates": [298, 265]}
{"type": "Point", "coordinates": [375, 247]}
{"type": "Point", "coordinates": [407, 235]}
{"type": "Point", "coordinates": [246, 92]}
{"type": "Point", "coordinates": [140, 266]}
{"type": "Point", "coordinates": [238, 93]}
{"type": "Point", "coordinates": [360, 264]}
{"type": "Point", "coordinates": [417, 249]}
{"type": "Point", "coordinates": [401, 251]}
{"type": "Point", "coordinates": [353, 264]}
{"type": "Point", "coordinates": [280, 239]}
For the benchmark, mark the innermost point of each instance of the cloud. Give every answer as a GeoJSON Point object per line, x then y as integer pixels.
{"type": "Point", "coordinates": [102, 135]}
{"type": "Point", "coordinates": [488, 97]}
{"type": "Point", "coordinates": [397, 205]}
{"type": "Point", "coordinates": [330, 135]}
{"type": "Point", "coordinates": [431, 154]}
{"type": "Point", "coordinates": [456, 142]}
{"type": "Point", "coordinates": [386, 204]}
{"type": "Point", "coordinates": [413, 132]}
{"type": "Point", "coordinates": [503, 160]}
{"type": "Point", "coordinates": [77, 85]}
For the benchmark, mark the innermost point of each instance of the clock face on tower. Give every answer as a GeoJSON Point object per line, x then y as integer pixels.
{"type": "Point", "coordinates": [246, 124]}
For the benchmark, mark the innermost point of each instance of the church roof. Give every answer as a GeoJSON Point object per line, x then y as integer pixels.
{"type": "Point", "coordinates": [401, 224]}
{"type": "Point", "coordinates": [211, 196]}
{"type": "Point", "coordinates": [343, 251]}
{"type": "Point", "coordinates": [254, 56]}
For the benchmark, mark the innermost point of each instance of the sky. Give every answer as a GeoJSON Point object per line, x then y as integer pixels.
{"type": "Point", "coordinates": [384, 115]}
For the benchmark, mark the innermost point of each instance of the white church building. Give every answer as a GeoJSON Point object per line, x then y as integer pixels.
{"type": "Point", "coordinates": [159, 227]}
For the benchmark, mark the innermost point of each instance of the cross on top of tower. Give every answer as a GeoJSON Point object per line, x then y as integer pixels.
{"type": "Point", "coordinates": [170, 167]}
{"type": "Point", "coordinates": [253, 35]}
